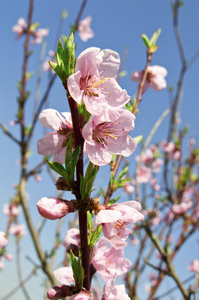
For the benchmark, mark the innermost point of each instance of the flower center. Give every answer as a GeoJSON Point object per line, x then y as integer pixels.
{"type": "Point", "coordinates": [119, 226]}
{"type": "Point", "coordinates": [107, 133]}
{"type": "Point", "coordinates": [93, 85]}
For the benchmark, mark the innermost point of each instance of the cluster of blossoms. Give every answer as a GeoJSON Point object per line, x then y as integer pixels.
{"type": "Point", "coordinates": [21, 28]}
{"type": "Point", "coordinates": [155, 78]}
{"type": "Point", "coordinates": [107, 130]}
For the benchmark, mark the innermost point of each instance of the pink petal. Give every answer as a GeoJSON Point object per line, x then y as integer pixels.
{"type": "Point", "coordinates": [107, 216]}
{"type": "Point", "coordinates": [110, 64]}
{"type": "Point", "coordinates": [51, 118]}
{"type": "Point", "coordinates": [73, 87]}
{"type": "Point", "coordinates": [64, 275]}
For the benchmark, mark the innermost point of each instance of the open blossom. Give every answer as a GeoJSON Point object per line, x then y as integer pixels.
{"type": "Point", "coordinates": [38, 35]}
{"type": "Point", "coordinates": [109, 262]}
{"type": "Point", "coordinates": [3, 240]}
{"type": "Point", "coordinates": [194, 266]}
{"type": "Point", "coordinates": [93, 80]}
{"type": "Point", "coordinates": [181, 208]}
{"type": "Point", "coordinates": [116, 218]}
{"type": "Point", "coordinates": [20, 27]}
{"type": "Point", "coordinates": [107, 133]}
{"type": "Point", "coordinates": [85, 32]}
{"type": "Point", "coordinates": [54, 142]}
{"type": "Point", "coordinates": [114, 292]}
{"type": "Point", "coordinates": [53, 208]}
{"type": "Point", "coordinates": [17, 229]}
{"type": "Point", "coordinates": [72, 237]}
{"type": "Point", "coordinates": [155, 78]}
{"type": "Point", "coordinates": [11, 210]}
{"type": "Point", "coordinates": [144, 174]}
{"type": "Point", "coordinates": [64, 275]}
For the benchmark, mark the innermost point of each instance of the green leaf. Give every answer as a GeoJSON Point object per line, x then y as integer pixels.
{"type": "Point", "coordinates": [138, 139]}
{"type": "Point", "coordinates": [68, 155]}
{"type": "Point", "coordinates": [122, 173]}
{"type": "Point", "coordinates": [154, 38]}
{"type": "Point", "coordinates": [89, 218]}
{"type": "Point", "coordinates": [69, 56]}
{"type": "Point", "coordinates": [29, 75]}
{"type": "Point", "coordinates": [145, 40]}
{"type": "Point", "coordinates": [112, 201]}
{"type": "Point", "coordinates": [75, 157]}
{"type": "Point", "coordinates": [60, 55]}
{"type": "Point", "coordinates": [57, 69]}
{"type": "Point", "coordinates": [57, 167]}
{"type": "Point", "coordinates": [95, 236]}
{"type": "Point", "coordinates": [64, 14]}
{"type": "Point", "coordinates": [78, 271]}
{"type": "Point", "coordinates": [112, 178]}
{"type": "Point", "coordinates": [34, 26]}
{"type": "Point", "coordinates": [102, 192]}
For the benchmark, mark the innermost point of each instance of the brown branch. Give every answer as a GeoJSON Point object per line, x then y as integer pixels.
{"type": "Point", "coordinates": [79, 141]}
{"type": "Point", "coordinates": [139, 98]}
{"type": "Point", "coordinates": [5, 130]}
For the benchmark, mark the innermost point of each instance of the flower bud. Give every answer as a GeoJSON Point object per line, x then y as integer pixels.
{"type": "Point", "coordinates": [53, 208]}
{"type": "Point", "coordinates": [74, 248]}
{"type": "Point", "coordinates": [58, 292]}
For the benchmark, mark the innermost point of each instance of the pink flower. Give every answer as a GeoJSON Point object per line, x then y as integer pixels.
{"type": "Point", "coordinates": [18, 229]}
{"type": "Point", "coordinates": [83, 295]}
{"type": "Point", "coordinates": [11, 210]}
{"type": "Point", "coordinates": [46, 65]}
{"type": "Point", "coordinates": [9, 257]}
{"type": "Point", "coordinates": [94, 83]}
{"type": "Point", "coordinates": [114, 292]}
{"type": "Point", "coordinates": [85, 32]}
{"type": "Point", "coordinates": [194, 266]}
{"type": "Point", "coordinates": [20, 27]}
{"type": "Point", "coordinates": [116, 218]}
{"type": "Point", "coordinates": [54, 143]}
{"type": "Point", "coordinates": [3, 240]}
{"type": "Point", "coordinates": [109, 261]}
{"type": "Point", "coordinates": [64, 275]}
{"type": "Point", "coordinates": [144, 174]}
{"type": "Point", "coordinates": [156, 165]}
{"type": "Point", "coordinates": [72, 237]}
{"type": "Point", "coordinates": [181, 208]}
{"type": "Point", "coordinates": [128, 188]}
{"type": "Point", "coordinates": [107, 133]}
{"type": "Point", "coordinates": [155, 78]}
{"type": "Point", "coordinates": [38, 35]}
{"type": "Point", "coordinates": [53, 208]}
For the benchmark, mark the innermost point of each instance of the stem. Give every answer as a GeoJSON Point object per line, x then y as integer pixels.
{"type": "Point", "coordinates": [82, 213]}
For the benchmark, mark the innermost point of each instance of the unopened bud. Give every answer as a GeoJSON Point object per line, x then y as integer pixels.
{"type": "Point", "coordinates": [53, 208]}
{"type": "Point", "coordinates": [61, 291]}
{"type": "Point", "coordinates": [74, 248]}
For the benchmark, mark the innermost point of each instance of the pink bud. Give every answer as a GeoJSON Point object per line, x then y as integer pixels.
{"type": "Point", "coordinates": [58, 292]}
{"type": "Point", "coordinates": [9, 257]}
{"type": "Point", "coordinates": [53, 208]}
{"type": "Point", "coordinates": [3, 240]}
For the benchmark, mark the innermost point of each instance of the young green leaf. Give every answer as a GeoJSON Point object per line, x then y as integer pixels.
{"type": "Point", "coordinates": [146, 40]}
{"type": "Point", "coordinates": [154, 38]}
{"type": "Point", "coordinates": [57, 69]}
{"type": "Point", "coordinates": [95, 236]}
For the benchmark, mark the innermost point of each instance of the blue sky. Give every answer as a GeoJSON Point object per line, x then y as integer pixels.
{"type": "Point", "coordinates": [116, 24]}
